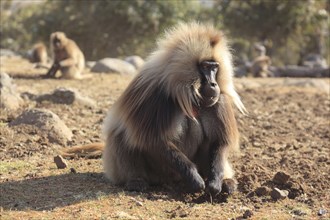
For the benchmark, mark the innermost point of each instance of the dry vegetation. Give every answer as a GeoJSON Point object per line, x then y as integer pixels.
{"type": "Point", "coordinates": [288, 129]}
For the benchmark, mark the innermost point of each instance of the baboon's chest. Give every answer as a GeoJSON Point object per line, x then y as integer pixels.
{"type": "Point", "coordinates": [61, 55]}
{"type": "Point", "coordinates": [190, 138]}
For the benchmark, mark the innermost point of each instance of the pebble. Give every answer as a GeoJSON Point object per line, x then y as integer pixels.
{"type": "Point", "coordinates": [262, 191]}
{"type": "Point", "coordinates": [66, 96]}
{"type": "Point", "coordinates": [321, 212]}
{"type": "Point", "coordinates": [73, 170]}
{"type": "Point", "coordinates": [247, 214]}
{"type": "Point", "coordinates": [137, 202]}
{"type": "Point", "coordinates": [60, 162]}
{"type": "Point", "coordinates": [281, 178]}
{"type": "Point", "coordinates": [278, 194]}
{"type": "Point", "coordinates": [298, 212]}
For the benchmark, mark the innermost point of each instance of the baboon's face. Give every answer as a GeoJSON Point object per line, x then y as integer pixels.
{"type": "Point", "coordinates": [209, 88]}
{"type": "Point", "coordinates": [196, 60]}
{"type": "Point", "coordinates": [58, 40]}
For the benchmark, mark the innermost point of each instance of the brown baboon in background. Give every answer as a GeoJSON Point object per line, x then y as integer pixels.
{"type": "Point", "coordinates": [260, 66]}
{"type": "Point", "coordinates": [175, 120]}
{"type": "Point", "coordinates": [67, 57]}
{"type": "Point", "coordinates": [39, 54]}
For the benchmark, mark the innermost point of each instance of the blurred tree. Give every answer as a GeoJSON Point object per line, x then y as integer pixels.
{"type": "Point", "coordinates": [277, 22]}
{"type": "Point", "coordinates": [5, 5]}
{"type": "Point", "coordinates": [101, 28]}
{"type": "Point", "coordinates": [289, 29]}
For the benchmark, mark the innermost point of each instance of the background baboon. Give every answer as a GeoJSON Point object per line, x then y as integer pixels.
{"type": "Point", "coordinates": [67, 57]}
{"type": "Point", "coordinates": [39, 54]}
{"type": "Point", "coordinates": [260, 66]}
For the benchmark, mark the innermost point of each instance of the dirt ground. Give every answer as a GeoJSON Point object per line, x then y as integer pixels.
{"type": "Point", "coordinates": [287, 130]}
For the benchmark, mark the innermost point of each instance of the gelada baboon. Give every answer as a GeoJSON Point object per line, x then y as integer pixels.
{"type": "Point", "coordinates": [39, 54]}
{"type": "Point", "coordinates": [67, 57]}
{"type": "Point", "coordinates": [175, 120]}
{"type": "Point", "coordinates": [260, 66]}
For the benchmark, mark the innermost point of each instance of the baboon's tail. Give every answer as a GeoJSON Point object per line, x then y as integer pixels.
{"type": "Point", "coordinates": [93, 150]}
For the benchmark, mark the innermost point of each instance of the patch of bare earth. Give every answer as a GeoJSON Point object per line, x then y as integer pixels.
{"type": "Point", "coordinates": [287, 130]}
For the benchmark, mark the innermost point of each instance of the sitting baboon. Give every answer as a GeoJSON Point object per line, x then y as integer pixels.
{"type": "Point", "coordinates": [39, 54]}
{"type": "Point", "coordinates": [175, 121]}
{"type": "Point", "coordinates": [260, 66]}
{"type": "Point", "coordinates": [67, 57]}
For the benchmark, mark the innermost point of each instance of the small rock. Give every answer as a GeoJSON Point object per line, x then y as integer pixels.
{"type": "Point", "coordinates": [262, 191]}
{"type": "Point", "coordinates": [136, 61]}
{"type": "Point", "coordinates": [293, 72]}
{"type": "Point", "coordinates": [281, 178]}
{"type": "Point", "coordinates": [28, 96]}
{"type": "Point", "coordinates": [321, 212]}
{"type": "Point", "coordinates": [7, 53]}
{"type": "Point", "coordinates": [112, 65]}
{"type": "Point", "coordinates": [298, 212]}
{"type": "Point", "coordinates": [9, 97]}
{"type": "Point", "coordinates": [256, 144]}
{"type": "Point", "coordinates": [267, 125]}
{"type": "Point", "coordinates": [295, 190]}
{"type": "Point", "coordinates": [278, 194]}
{"type": "Point", "coordinates": [48, 122]}
{"type": "Point", "coordinates": [137, 202]}
{"type": "Point", "coordinates": [314, 61]}
{"type": "Point", "coordinates": [60, 162]}
{"type": "Point", "coordinates": [73, 170]}
{"type": "Point", "coordinates": [247, 214]}
{"type": "Point", "coordinates": [31, 175]}
{"type": "Point", "coordinates": [90, 64]}
{"type": "Point", "coordinates": [65, 96]}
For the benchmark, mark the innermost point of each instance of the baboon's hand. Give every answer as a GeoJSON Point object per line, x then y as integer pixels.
{"type": "Point", "coordinates": [214, 186]}
{"type": "Point", "coordinates": [196, 183]}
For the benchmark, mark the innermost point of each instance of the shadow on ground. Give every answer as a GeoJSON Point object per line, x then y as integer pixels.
{"type": "Point", "coordinates": [50, 192]}
{"type": "Point", "coordinates": [54, 191]}
{"type": "Point", "coordinates": [28, 76]}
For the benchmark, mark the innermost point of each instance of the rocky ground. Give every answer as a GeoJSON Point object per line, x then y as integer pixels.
{"type": "Point", "coordinates": [282, 168]}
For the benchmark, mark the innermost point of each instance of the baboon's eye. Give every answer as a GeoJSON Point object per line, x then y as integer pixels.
{"type": "Point", "coordinates": [209, 65]}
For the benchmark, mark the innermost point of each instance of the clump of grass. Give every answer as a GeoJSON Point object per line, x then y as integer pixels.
{"type": "Point", "coordinates": [11, 166]}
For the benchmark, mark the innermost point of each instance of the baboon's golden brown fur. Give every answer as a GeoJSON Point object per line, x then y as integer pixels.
{"type": "Point", "coordinates": [175, 120]}
{"type": "Point", "coordinates": [67, 57]}
{"type": "Point", "coordinates": [39, 54]}
{"type": "Point", "coordinates": [260, 66]}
